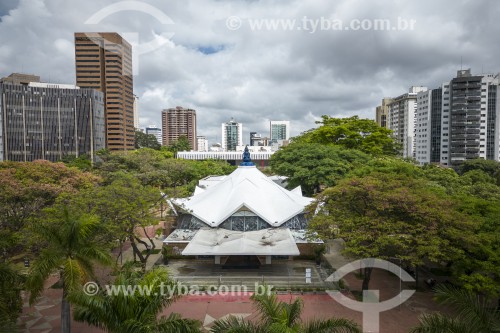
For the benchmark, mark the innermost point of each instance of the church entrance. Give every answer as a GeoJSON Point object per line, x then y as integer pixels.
{"type": "Point", "coordinates": [241, 262]}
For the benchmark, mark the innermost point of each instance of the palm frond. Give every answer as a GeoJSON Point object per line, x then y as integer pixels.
{"type": "Point", "coordinates": [437, 323]}
{"type": "Point", "coordinates": [471, 307]}
{"type": "Point", "coordinates": [92, 310]}
{"type": "Point", "coordinates": [234, 324]}
{"type": "Point", "coordinates": [174, 323]}
{"type": "Point", "coordinates": [333, 325]}
{"type": "Point", "coordinates": [293, 311]}
{"type": "Point", "coordinates": [268, 306]}
{"type": "Point", "coordinates": [72, 275]}
{"type": "Point", "coordinates": [46, 264]}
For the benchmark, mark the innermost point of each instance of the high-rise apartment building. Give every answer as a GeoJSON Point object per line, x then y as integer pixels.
{"type": "Point", "coordinates": [459, 121]}
{"type": "Point", "coordinates": [49, 121]}
{"type": "Point", "coordinates": [382, 112]}
{"type": "Point", "coordinates": [154, 130]}
{"type": "Point", "coordinates": [279, 130]}
{"type": "Point", "coordinates": [428, 126]}
{"type": "Point", "coordinates": [401, 120]}
{"type": "Point", "coordinates": [202, 143]}
{"type": "Point", "coordinates": [474, 118]}
{"type": "Point", "coordinates": [177, 122]}
{"type": "Point", "coordinates": [104, 62]}
{"type": "Point", "coordinates": [232, 135]}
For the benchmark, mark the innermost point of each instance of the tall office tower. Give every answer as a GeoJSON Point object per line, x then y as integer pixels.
{"type": "Point", "coordinates": [401, 120]}
{"type": "Point", "coordinates": [154, 130]}
{"type": "Point", "coordinates": [232, 135]}
{"type": "Point", "coordinates": [49, 121]}
{"type": "Point", "coordinates": [104, 62]}
{"type": "Point", "coordinates": [177, 122]}
{"type": "Point", "coordinates": [428, 126]}
{"type": "Point", "coordinates": [136, 112]}
{"type": "Point", "coordinates": [202, 143]}
{"type": "Point", "coordinates": [474, 119]}
{"type": "Point", "coordinates": [382, 111]}
{"type": "Point", "coordinates": [279, 130]}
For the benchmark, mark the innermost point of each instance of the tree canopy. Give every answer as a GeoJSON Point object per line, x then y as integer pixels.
{"type": "Point", "coordinates": [388, 215]}
{"type": "Point", "coordinates": [143, 140]}
{"type": "Point", "coordinates": [314, 165]}
{"type": "Point", "coordinates": [352, 133]}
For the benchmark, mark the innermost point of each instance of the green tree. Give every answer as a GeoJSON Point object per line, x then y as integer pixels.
{"type": "Point", "coordinates": [123, 206]}
{"type": "Point", "coordinates": [11, 283]}
{"type": "Point", "coordinates": [134, 311]}
{"type": "Point", "coordinates": [352, 133]}
{"type": "Point", "coordinates": [479, 269]}
{"type": "Point", "coordinates": [27, 188]}
{"type": "Point", "coordinates": [277, 317]}
{"type": "Point", "coordinates": [386, 215]}
{"type": "Point", "coordinates": [490, 167]}
{"type": "Point", "coordinates": [475, 314]}
{"type": "Point", "coordinates": [315, 165]}
{"type": "Point", "coordinates": [143, 140]}
{"type": "Point", "coordinates": [81, 162]}
{"type": "Point", "coordinates": [176, 177]}
{"type": "Point", "coordinates": [68, 249]}
{"type": "Point", "coordinates": [182, 144]}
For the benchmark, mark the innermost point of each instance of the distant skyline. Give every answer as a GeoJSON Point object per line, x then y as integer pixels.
{"type": "Point", "coordinates": [217, 64]}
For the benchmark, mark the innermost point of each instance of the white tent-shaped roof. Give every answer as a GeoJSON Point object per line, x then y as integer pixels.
{"type": "Point", "coordinates": [248, 188]}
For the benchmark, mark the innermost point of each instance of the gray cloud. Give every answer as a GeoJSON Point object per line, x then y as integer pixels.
{"type": "Point", "coordinates": [256, 76]}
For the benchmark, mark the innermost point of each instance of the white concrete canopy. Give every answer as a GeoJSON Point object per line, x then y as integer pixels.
{"type": "Point", "coordinates": [218, 241]}
{"type": "Point", "coordinates": [245, 188]}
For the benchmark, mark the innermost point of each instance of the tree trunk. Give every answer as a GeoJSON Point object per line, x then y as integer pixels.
{"type": "Point", "coordinates": [153, 246]}
{"type": "Point", "coordinates": [120, 254]}
{"type": "Point", "coordinates": [65, 313]}
{"type": "Point", "coordinates": [148, 251]}
{"type": "Point", "coordinates": [136, 250]}
{"type": "Point", "coordinates": [366, 278]}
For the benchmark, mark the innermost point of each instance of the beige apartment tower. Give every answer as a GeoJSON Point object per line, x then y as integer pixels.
{"type": "Point", "coordinates": [382, 112]}
{"type": "Point", "coordinates": [104, 62]}
{"type": "Point", "coordinates": [177, 122]}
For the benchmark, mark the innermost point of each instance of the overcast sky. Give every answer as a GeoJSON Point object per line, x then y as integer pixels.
{"type": "Point", "coordinates": [210, 58]}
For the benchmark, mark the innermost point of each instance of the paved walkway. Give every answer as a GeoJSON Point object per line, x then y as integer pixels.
{"type": "Point", "coordinates": [44, 317]}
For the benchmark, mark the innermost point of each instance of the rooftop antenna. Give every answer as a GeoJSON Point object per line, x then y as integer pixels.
{"type": "Point", "coordinates": [461, 63]}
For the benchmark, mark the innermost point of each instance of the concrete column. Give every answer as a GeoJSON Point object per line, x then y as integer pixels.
{"type": "Point", "coordinates": [268, 260]}
{"type": "Point", "coordinates": [217, 260]}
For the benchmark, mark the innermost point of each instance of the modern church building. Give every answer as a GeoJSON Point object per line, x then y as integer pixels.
{"type": "Point", "coordinates": [242, 219]}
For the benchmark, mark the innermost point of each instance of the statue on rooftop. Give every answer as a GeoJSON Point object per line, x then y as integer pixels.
{"type": "Point", "coordinates": [247, 161]}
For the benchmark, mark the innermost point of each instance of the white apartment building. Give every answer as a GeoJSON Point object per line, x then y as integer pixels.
{"type": "Point", "coordinates": [401, 114]}
{"type": "Point", "coordinates": [202, 143]}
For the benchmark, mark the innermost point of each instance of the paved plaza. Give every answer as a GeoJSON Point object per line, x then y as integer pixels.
{"type": "Point", "coordinates": [44, 317]}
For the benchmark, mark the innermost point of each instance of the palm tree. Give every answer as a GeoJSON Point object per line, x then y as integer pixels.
{"type": "Point", "coordinates": [132, 304]}
{"type": "Point", "coordinates": [281, 317]}
{"type": "Point", "coordinates": [474, 314]}
{"type": "Point", "coordinates": [70, 250]}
